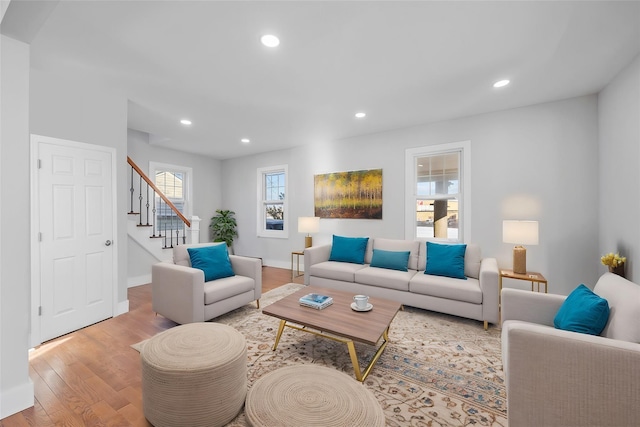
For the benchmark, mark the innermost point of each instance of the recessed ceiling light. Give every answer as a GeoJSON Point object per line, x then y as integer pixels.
{"type": "Point", "coordinates": [270, 40]}
{"type": "Point", "coordinates": [185, 122]}
{"type": "Point", "coordinates": [360, 115]}
{"type": "Point", "coordinates": [245, 140]}
{"type": "Point", "coordinates": [501, 83]}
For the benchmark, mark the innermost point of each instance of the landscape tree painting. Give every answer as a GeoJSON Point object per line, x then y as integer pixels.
{"type": "Point", "coordinates": [353, 194]}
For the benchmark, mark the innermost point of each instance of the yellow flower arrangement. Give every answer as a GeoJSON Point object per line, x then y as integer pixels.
{"type": "Point", "coordinates": [613, 260]}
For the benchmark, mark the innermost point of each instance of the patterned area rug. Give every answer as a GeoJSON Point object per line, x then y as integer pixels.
{"type": "Point", "coordinates": [437, 370]}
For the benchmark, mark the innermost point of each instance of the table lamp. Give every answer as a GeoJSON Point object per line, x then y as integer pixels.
{"type": "Point", "coordinates": [520, 233]}
{"type": "Point", "coordinates": [308, 224]}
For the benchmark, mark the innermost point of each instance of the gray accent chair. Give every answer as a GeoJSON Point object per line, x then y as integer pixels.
{"type": "Point", "coordinates": [561, 378]}
{"type": "Point", "coordinates": [179, 292]}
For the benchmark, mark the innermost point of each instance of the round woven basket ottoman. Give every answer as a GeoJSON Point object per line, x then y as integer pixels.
{"type": "Point", "coordinates": [194, 375]}
{"type": "Point", "coordinates": [310, 395]}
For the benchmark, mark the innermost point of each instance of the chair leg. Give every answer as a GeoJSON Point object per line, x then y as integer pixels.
{"type": "Point", "coordinates": [486, 325]}
{"type": "Point", "coordinates": [258, 303]}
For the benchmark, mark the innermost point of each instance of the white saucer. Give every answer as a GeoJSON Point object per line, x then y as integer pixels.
{"type": "Point", "coordinates": [355, 307]}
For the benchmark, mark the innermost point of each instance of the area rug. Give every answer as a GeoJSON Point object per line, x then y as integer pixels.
{"type": "Point", "coordinates": [437, 370]}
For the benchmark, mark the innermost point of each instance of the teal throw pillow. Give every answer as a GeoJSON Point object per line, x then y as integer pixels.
{"type": "Point", "coordinates": [390, 259]}
{"type": "Point", "coordinates": [446, 260]}
{"type": "Point", "coordinates": [583, 311]}
{"type": "Point", "coordinates": [213, 260]}
{"type": "Point", "coordinates": [348, 249]}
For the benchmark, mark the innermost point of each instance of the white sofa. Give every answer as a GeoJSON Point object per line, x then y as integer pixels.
{"type": "Point", "coordinates": [474, 298]}
{"type": "Point", "coordinates": [561, 378]}
{"type": "Point", "coordinates": [179, 292]}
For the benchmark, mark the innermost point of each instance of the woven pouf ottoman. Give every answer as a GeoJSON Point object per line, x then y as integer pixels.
{"type": "Point", "coordinates": [310, 395]}
{"type": "Point", "coordinates": [194, 375]}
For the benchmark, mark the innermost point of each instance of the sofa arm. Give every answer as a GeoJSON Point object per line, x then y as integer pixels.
{"type": "Point", "coordinates": [248, 267]}
{"type": "Point", "coordinates": [561, 378]}
{"type": "Point", "coordinates": [531, 307]}
{"type": "Point", "coordinates": [315, 255]}
{"type": "Point", "coordinates": [489, 285]}
{"type": "Point", "coordinates": [177, 292]}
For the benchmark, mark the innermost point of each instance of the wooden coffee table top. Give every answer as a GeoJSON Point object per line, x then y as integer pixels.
{"type": "Point", "coordinates": [338, 318]}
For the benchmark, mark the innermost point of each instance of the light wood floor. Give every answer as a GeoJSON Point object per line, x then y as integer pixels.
{"type": "Point", "coordinates": [91, 377]}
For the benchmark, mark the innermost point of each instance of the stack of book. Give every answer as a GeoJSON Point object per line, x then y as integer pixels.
{"type": "Point", "coordinates": [316, 301]}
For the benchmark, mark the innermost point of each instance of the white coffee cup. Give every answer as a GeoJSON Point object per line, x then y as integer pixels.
{"type": "Point", "coordinates": [361, 301]}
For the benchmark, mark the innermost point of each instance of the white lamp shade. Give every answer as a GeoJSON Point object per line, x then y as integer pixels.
{"type": "Point", "coordinates": [308, 224]}
{"type": "Point", "coordinates": [520, 232]}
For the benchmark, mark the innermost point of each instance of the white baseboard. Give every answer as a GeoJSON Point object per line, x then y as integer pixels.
{"type": "Point", "coordinates": [138, 280]}
{"type": "Point", "coordinates": [280, 264]}
{"type": "Point", "coordinates": [16, 399]}
{"type": "Point", "coordinates": [121, 308]}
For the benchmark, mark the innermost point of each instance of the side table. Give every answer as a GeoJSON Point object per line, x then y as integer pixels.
{"type": "Point", "coordinates": [297, 254]}
{"type": "Point", "coordinates": [530, 276]}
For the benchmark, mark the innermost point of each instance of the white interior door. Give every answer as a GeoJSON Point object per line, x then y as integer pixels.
{"type": "Point", "coordinates": [75, 220]}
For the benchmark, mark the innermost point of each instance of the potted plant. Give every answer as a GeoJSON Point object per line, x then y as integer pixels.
{"type": "Point", "coordinates": [615, 262]}
{"type": "Point", "coordinates": [224, 227]}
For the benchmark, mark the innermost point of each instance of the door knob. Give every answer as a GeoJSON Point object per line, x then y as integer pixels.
{"type": "Point", "coordinates": [107, 243]}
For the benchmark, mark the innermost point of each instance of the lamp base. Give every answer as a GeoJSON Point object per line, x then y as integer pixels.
{"type": "Point", "coordinates": [519, 260]}
{"type": "Point", "coordinates": [308, 241]}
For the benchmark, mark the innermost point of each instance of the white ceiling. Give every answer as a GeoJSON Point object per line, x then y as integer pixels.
{"type": "Point", "coordinates": [403, 63]}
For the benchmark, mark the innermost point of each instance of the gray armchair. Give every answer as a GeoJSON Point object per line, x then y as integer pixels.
{"type": "Point", "coordinates": [560, 378]}
{"type": "Point", "coordinates": [179, 292]}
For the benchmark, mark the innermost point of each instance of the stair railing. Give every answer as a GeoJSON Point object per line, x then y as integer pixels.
{"type": "Point", "coordinates": [150, 201]}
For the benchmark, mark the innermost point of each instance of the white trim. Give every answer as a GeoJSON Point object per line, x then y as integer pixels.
{"type": "Point", "coordinates": [34, 339]}
{"type": "Point", "coordinates": [465, 178]}
{"type": "Point", "coordinates": [260, 220]}
{"type": "Point", "coordinates": [138, 280]}
{"type": "Point", "coordinates": [16, 399]}
{"type": "Point", "coordinates": [121, 308]}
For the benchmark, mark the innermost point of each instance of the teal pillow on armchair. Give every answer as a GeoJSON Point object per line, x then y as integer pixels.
{"type": "Point", "coordinates": [212, 260]}
{"type": "Point", "coordinates": [583, 311]}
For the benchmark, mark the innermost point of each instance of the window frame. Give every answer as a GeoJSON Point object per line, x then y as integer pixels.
{"type": "Point", "coordinates": [187, 187]}
{"type": "Point", "coordinates": [411, 181]}
{"type": "Point", "coordinates": [261, 229]}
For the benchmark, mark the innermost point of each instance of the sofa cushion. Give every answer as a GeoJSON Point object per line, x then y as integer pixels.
{"type": "Point", "coordinates": [348, 249]}
{"type": "Point", "coordinates": [445, 260]}
{"type": "Point", "coordinates": [412, 246]}
{"type": "Point", "coordinates": [472, 259]}
{"type": "Point", "coordinates": [393, 260]}
{"type": "Point", "coordinates": [344, 271]}
{"type": "Point", "coordinates": [447, 287]}
{"type": "Point", "coordinates": [582, 311]}
{"type": "Point", "coordinates": [384, 278]}
{"type": "Point", "coordinates": [227, 287]}
{"type": "Point", "coordinates": [623, 297]}
{"type": "Point", "coordinates": [213, 260]}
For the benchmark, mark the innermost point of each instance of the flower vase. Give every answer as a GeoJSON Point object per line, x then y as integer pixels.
{"type": "Point", "coordinates": [619, 270]}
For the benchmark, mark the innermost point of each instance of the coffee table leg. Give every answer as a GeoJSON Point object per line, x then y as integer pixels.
{"type": "Point", "coordinates": [354, 360]}
{"type": "Point", "coordinates": [361, 376]}
{"type": "Point", "coordinates": [280, 329]}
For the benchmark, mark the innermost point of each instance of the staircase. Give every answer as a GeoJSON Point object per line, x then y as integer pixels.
{"type": "Point", "coordinates": [155, 223]}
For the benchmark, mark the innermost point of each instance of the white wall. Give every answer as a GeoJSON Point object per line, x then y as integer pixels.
{"type": "Point", "coordinates": [79, 109]}
{"type": "Point", "coordinates": [537, 162]}
{"type": "Point", "coordinates": [619, 153]}
{"type": "Point", "coordinates": [206, 189]}
{"type": "Point", "coordinates": [16, 389]}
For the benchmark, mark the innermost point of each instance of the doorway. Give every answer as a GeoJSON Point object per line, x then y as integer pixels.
{"type": "Point", "coordinates": [74, 278]}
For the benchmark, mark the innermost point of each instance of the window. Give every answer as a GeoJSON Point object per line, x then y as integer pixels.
{"type": "Point", "coordinates": [437, 202]}
{"type": "Point", "coordinates": [174, 182]}
{"type": "Point", "coordinates": [272, 203]}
